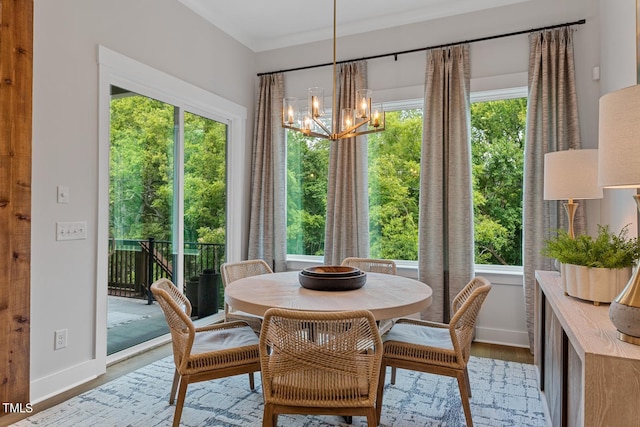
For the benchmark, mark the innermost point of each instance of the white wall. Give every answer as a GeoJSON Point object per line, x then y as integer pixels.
{"type": "Point", "coordinates": [493, 64]}
{"type": "Point", "coordinates": [163, 34]}
{"type": "Point", "coordinates": [618, 53]}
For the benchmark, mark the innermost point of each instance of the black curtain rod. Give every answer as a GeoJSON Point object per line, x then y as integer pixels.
{"type": "Point", "coordinates": [395, 54]}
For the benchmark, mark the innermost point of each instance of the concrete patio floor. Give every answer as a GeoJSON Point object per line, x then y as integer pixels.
{"type": "Point", "coordinates": [132, 321]}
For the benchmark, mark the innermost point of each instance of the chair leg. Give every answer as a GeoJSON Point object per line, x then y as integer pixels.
{"type": "Point", "coordinates": [372, 417]}
{"type": "Point", "coordinates": [466, 377]}
{"type": "Point", "coordinates": [380, 392]}
{"type": "Point", "coordinates": [252, 383]}
{"type": "Point", "coordinates": [182, 392]}
{"type": "Point", "coordinates": [269, 417]}
{"type": "Point", "coordinates": [464, 387]}
{"type": "Point", "coordinates": [174, 387]}
{"type": "Point", "coordinates": [393, 375]}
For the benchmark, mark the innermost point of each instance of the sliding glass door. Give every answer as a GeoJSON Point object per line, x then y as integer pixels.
{"type": "Point", "coordinates": [167, 172]}
{"type": "Point", "coordinates": [205, 211]}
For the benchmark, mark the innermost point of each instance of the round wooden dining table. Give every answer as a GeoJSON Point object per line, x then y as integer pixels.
{"type": "Point", "coordinates": [386, 296]}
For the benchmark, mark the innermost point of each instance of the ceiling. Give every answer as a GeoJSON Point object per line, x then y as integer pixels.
{"type": "Point", "coordinates": [271, 24]}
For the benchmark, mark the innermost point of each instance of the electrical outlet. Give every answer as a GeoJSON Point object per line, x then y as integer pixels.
{"type": "Point", "coordinates": [60, 339]}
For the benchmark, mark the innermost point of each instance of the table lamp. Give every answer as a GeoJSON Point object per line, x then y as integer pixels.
{"type": "Point", "coordinates": [619, 167]}
{"type": "Point", "coordinates": [569, 175]}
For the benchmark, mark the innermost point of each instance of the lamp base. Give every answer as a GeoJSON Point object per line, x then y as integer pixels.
{"type": "Point", "coordinates": [570, 208]}
{"type": "Point", "coordinates": [626, 320]}
{"type": "Point", "coordinates": [628, 338]}
{"type": "Point", "coordinates": [624, 311]}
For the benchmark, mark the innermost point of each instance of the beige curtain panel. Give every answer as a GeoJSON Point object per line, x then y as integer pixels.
{"type": "Point", "coordinates": [552, 125]}
{"type": "Point", "coordinates": [347, 224]}
{"type": "Point", "coordinates": [268, 228]}
{"type": "Point", "coordinates": [445, 254]}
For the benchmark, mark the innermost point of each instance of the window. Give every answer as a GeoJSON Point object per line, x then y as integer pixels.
{"type": "Point", "coordinates": [497, 146]}
{"type": "Point", "coordinates": [144, 190]}
{"type": "Point", "coordinates": [394, 185]}
{"type": "Point", "coordinates": [307, 169]}
{"type": "Point", "coordinates": [497, 130]}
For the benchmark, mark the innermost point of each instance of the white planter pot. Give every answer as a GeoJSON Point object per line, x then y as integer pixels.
{"type": "Point", "coordinates": [594, 284]}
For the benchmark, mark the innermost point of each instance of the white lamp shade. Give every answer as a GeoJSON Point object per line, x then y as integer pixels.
{"type": "Point", "coordinates": [571, 174]}
{"type": "Point", "coordinates": [619, 139]}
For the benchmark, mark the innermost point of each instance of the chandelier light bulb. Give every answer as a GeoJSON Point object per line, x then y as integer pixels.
{"type": "Point", "coordinates": [376, 119]}
{"type": "Point", "coordinates": [348, 119]}
{"type": "Point", "coordinates": [290, 115]}
{"type": "Point", "coordinates": [306, 123]}
{"type": "Point", "coordinates": [377, 116]}
{"type": "Point", "coordinates": [316, 102]}
{"type": "Point", "coordinates": [290, 110]}
{"type": "Point", "coordinates": [363, 109]}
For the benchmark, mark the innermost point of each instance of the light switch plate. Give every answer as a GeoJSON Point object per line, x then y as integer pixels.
{"type": "Point", "coordinates": [63, 194]}
{"type": "Point", "coordinates": [76, 230]}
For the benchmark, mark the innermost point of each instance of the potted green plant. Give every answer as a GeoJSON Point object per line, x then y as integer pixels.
{"type": "Point", "coordinates": [594, 269]}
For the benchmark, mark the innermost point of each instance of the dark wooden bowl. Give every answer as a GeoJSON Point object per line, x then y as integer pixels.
{"type": "Point", "coordinates": [332, 283]}
{"type": "Point", "coordinates": [331, 271]}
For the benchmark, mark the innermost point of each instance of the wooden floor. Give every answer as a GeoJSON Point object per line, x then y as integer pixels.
{"type": "Point", "coordinates": [513, 354]}
{"type": "Point", "coordinates": [502, 352]}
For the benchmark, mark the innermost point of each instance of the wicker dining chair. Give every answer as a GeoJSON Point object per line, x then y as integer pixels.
{"type": "Point", "coordinates": [437, 348]}
{"type": "Point", "coordinates": [232, 271]}
{"type": "Point", "coordinates": [373, 265]}
{"type": "Point", "coordinates": [203, 353]}
{"type": "Point", "coordinates": [321, 363]}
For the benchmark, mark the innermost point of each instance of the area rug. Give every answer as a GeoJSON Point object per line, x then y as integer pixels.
{"type": "Point", "coordinates": [504, 394]}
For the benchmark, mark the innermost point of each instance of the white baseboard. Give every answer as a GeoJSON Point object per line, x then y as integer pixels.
{"type": "Point", "coordinates": [56, 383]}
{"type": "Point", "coordinates": [502, 337]}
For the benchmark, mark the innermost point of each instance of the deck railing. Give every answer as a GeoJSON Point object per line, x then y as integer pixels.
{"type": "Point", "coordinates": [135, 264]}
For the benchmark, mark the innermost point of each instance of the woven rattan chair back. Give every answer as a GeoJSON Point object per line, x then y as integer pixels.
{"type": "Point", "coordinates": [203, 353]}
{"type": "Point", "coordinates": [466, 307]}
{"type": "Point", "coordinates": [233, 271]}
{"type": "Point", "coordinates": [319, 363]}
{"type": "Point", "coordinates": [177, 312]}
{"type": "Point", "coordinates": [373, 265]}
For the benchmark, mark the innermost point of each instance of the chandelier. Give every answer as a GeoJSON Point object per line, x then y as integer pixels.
{"type": "Point", "coordinates": [359, 119]}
